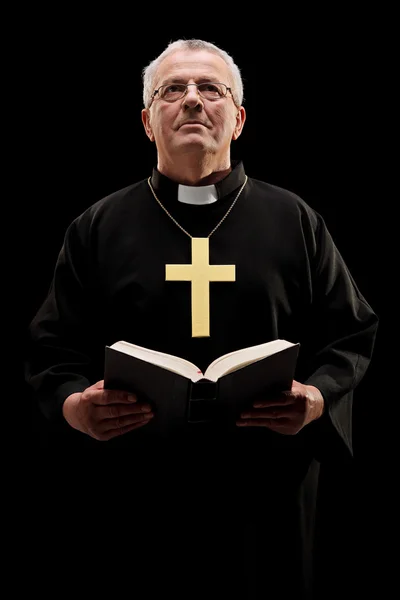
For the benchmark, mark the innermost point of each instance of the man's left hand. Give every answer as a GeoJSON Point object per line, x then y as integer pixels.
{"type": "Point", "coordinates": [288, 413]}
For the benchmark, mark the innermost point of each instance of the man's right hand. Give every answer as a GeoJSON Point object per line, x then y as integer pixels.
{"type": "Point", "coordinates": [105, 414]}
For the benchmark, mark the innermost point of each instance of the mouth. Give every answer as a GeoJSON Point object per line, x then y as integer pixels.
{"type": "Point", "coordinates": [191, 123]}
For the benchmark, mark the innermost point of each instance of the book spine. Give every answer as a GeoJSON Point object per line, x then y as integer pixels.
{"type": "Point", "coordinates": [202, 403]}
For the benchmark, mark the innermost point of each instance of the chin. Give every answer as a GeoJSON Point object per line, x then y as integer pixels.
{"type": "Point", "coordinates": [192, 146]}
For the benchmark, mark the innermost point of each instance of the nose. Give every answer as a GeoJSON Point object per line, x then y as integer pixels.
{"type": "Point", "coordinates": [192, 98]}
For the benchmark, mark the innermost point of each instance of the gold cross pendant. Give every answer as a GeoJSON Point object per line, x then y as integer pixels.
{"type": "Point", "coordinates": [200, 273]}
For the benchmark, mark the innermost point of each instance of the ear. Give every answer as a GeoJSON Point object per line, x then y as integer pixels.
{"type": "Point", "coordinates": [146, 124]}
{"type": "Point", "coordinates": [240, 120]}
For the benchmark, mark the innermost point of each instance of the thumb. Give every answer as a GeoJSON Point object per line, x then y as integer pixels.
{"type": "Point", "coordinates": [99, 385]}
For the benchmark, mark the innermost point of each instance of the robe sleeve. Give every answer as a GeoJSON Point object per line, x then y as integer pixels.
{"type": "Point", "coordinates": [338, 342]}
{"type": "Point", "coordinates": [59, 355]}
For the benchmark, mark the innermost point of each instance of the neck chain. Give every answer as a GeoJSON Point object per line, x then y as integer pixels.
{"type": "Point", "coordinates": [180, 226]}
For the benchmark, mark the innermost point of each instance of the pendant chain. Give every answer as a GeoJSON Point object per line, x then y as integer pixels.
{"type": "Point", "coordinates": [218, 224]}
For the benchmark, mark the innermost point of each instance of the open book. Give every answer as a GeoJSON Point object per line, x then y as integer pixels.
{"type": "Point", "coordinates": [181, 393]}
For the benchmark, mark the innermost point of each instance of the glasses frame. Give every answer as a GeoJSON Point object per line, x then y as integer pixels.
{"type": "Point", "coordinates": [228, 89]}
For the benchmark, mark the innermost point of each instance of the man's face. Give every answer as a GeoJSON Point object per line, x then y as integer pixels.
{"type": "Point", "coordinates": [217, 122]}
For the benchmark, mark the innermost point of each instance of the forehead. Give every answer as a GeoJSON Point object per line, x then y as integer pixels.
{"type": "Point", "coordinates": [192, 64]}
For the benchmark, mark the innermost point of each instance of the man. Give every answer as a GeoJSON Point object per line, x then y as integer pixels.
{"type": "Point", "coordinates": [238, 504]}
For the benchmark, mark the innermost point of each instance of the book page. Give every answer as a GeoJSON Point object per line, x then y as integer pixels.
{"type": "Point", "coordinates": [176, 364]}
{"type": "Point", "coordinates": [245, 356]}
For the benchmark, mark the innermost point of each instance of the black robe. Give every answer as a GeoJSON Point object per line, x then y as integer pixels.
{"type": "Point", "coordinates": [214, 511]}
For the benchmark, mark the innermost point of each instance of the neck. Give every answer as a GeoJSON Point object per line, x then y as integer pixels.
{"type": "Point", "coordinates": [190, 170]}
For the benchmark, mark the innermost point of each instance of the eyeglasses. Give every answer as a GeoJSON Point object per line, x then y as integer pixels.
{"type": "Point", "coordinates": [175, 91]}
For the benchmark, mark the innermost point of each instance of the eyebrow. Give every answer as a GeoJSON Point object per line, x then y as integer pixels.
{"type": "Point", "coordinates": [177, 79]}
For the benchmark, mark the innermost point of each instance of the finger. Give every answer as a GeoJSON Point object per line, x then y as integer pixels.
{"type": "Point", "coordinates": [103, 397]}
{"type": "Point", "coordinates": [115, 411]}
{"type": "Point", "coordinates": [284, 400]}
{"type": "Point", "coordinates": [123, 422]}
{"type": "Point", "coordinates": [99, 385]}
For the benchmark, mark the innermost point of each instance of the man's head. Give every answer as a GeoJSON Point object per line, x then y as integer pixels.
{"type": "Point", "coordinates": [192, 95]}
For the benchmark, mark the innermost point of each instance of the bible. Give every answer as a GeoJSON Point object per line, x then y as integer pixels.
{"type": "Point", "coordinates": [181, 393]}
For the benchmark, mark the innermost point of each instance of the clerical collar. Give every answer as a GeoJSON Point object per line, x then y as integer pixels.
{"type": "Point", "coordinates": [203, 194]}
{"type": "Point", "coordinates": [167, 188]}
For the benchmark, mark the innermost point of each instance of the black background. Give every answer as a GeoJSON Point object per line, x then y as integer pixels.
{"type": "Point", "coordinates": [314, 116]}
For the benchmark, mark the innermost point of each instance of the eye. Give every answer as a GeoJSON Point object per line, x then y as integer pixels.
{"type": "Point", "coordinates": [174, 87]}
{"type": "Point", "coordinates": [212, 91]}
{"type": "Point", "coordinates": [209, 87]}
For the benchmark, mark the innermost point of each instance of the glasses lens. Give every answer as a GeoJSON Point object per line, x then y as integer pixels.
{"type": "Point", "coordinates": [172, 92]}
{"type": "Point", "coordinates": [175, 91]}
{"type": "Point", "coordinates": [212, 91]}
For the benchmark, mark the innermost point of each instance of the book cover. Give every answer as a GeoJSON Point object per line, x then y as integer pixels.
{"type": "Point", "coordinates": [178, 401]}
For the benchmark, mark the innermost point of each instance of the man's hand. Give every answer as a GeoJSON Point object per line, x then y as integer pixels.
{"type": "Point", "coordinates": [105, 414]}
{"type": "Point", "coordinates": [288, 413]}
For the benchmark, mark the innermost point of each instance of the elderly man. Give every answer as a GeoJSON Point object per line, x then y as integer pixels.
{"type": "Point", "coordinates": [228, 511]}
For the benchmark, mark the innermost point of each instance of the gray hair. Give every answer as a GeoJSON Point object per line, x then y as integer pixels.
{"type": "Point", "coordinates": [149, 72]}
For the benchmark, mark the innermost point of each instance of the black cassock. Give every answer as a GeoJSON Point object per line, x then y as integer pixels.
{"type": "Point", "coordinates": [226, 512]}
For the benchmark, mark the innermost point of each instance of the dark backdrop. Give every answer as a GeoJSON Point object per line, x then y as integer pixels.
{"type": "Point", "coordinates": [308, 129]}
